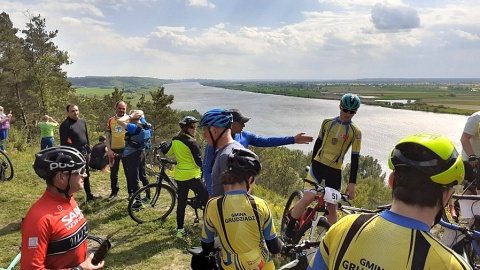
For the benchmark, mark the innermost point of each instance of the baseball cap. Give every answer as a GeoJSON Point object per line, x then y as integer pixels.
{"type": "Point", "coordinates": [238, 116]}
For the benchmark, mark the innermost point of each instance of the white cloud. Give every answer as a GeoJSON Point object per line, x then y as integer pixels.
{"type": "Point", "coordinates": [200, 3]}
{"type": "Point", "coordinates": [334, 39]}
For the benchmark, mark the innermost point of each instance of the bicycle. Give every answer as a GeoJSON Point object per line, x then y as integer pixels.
{"type": "Point", "coordinates": [6, 167]}
{"type": "Point", "coordinates": [202, 261]}
{"type": "Point", "coordinates": [94, 243]}
{"type": "Point", "coordinates": [158, 199]}
{"type": "Point", "coordinates": [301, 253]}
{"type": "Point", "coordinates": [312, 225]}
{"type": "Point", "coordinates": [465, 242]}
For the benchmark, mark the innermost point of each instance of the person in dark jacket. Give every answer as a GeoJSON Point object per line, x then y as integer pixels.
{"type": "Point", "coordinates": [74, 133]}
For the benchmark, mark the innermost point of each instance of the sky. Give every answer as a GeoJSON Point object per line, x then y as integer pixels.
{"type": "Point", "coordinates": [262, 39]}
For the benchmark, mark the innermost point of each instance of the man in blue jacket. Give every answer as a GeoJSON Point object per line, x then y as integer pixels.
{"type": "Point", "coordinates": [247, 138]}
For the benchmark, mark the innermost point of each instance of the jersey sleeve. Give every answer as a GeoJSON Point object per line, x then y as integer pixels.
{"type": "Point", "coordinates": [357, 141]}
{"type": "Point", "coordinates": [472, 125]}
{"type": "Point", "coordinates": [268, 228]}
{"type": "Point", "coordinates": [35, 235]}
{"type": "Point", "coordinates": [260, 141]}
{"type": "Point", "coordinates": [208, 230]}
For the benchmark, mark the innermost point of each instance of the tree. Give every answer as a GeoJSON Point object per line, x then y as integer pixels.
{"type": "Point", "coordinates": [14, 69]}
{"type": "Point", "coordinates": [368, 167]}
{"type": "Point", "coordinates": [159, 114]}
{"type": "Point", "coordinates": [49, 82]}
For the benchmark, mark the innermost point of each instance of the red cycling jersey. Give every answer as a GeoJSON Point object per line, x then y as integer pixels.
{"type": "Point", "coordinates": [54, 234]}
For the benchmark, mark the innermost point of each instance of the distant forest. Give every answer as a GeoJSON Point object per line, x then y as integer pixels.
{"type": "Point", "coordinates": [120, 82]}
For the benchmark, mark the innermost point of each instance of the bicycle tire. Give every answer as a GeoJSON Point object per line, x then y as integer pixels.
{"type": "Point", "coordinates": [6, 167]}
{"type": "Point", "coordinates": [304, 232]}
{"type": "Point", "coordinates": [292, 200]}
{"type": "Point", "coordinates": [160, 205]}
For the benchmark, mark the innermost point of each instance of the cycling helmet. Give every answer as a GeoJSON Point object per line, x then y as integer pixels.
{"type": "Point", "coordinates": [187, 121]}
{"type": "Point", "coordinates": [244, 161]}
{"type": "Point", "coordinates": [434, 155]}
{"type": "Point", "coordinates": [216, 117]}
{"type": "Point", "coordinates": [57, 159]}
{"type": "Point", "coordinates": [350, 102]}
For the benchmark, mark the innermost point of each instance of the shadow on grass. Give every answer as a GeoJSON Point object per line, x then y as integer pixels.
{"type": "Point", "coordinates": [11, 228]}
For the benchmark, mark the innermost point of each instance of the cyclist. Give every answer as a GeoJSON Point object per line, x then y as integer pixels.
{"type": "Point", "coordinates": [216, 124]}
{"type": "Point", "coordinates": [336, 136]}
{"type": "Point", "coordinates": [243, 222]}
{"type": "Point", "coordinates": [247, 138]}
{"type": "Point", "coordinates": [54, 231]}
{"type": "Point", "coordinates": [425, 168]}
{"type": "Point", "coordinates": [470, 140]}
{"type": "Point", "coordinates": [188, 171]}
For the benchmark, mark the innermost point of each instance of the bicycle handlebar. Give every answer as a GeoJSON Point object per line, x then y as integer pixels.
{"type": "Point", "coordinates": [466, 197]}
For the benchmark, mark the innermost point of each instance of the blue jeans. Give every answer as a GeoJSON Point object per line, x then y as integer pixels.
{"type": "Point", "coordinates": [3, 138]}
{"type": "Point", "coordinates": [47, 142]}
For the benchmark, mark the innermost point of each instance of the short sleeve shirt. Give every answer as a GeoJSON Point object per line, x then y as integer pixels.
{"type": "Point", "coordinates": [472, 128]}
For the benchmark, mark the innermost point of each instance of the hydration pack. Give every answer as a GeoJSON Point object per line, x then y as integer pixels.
{"type": "Point", "coordinates": [141, 138]}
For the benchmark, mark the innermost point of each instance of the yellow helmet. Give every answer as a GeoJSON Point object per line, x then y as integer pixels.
{"type": "Point", "coordinates": [434, 155]}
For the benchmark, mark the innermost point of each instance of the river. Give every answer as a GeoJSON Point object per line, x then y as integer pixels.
{"type": "Point", "coordinates": [273, 115]}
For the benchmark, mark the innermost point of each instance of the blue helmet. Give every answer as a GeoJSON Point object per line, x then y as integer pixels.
{"type": "Point", "coordinates": [350, 102]}
{"type": "Point", "coordinates": [216, 117]}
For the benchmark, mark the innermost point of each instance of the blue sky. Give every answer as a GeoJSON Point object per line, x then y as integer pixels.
{"type": "Point", "coordinates": [262, 39]}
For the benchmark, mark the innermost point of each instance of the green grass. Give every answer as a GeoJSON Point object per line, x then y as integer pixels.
{"type": "Point", "coordinates": [94, 91]}
{"type": "Point", "coordinates": [146, 246]}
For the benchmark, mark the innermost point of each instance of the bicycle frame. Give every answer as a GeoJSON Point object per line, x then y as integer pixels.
{"type": "Point", "coordinates": [472, 238]}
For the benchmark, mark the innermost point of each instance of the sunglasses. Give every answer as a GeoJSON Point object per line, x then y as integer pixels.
{"type": "Point", "coordinates": [348, 111]}
{"type": "Point", "coordinates": [80, 171]}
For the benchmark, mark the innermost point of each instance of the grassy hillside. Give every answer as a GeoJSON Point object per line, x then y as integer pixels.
{"type": "Point", "coordinates": [146, 246]}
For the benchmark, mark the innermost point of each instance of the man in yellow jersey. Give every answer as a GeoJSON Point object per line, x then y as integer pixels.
{"type": "Point", "coordinates": [115, 135]}
{"type": "Point", "coordinates": [425, 168]}
{"type": "Point", "coordinates": [242, 222]}
{"type": "Point", "coordinates": [336, 136]}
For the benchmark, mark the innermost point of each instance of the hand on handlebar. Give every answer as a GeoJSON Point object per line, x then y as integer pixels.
{"type": "Point", "coordinates": [350, 191]}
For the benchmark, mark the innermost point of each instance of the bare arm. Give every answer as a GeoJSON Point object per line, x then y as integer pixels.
{"type": "Point", "coordinates": [467, 147]}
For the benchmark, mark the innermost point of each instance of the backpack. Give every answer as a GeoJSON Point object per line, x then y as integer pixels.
{"type": "Point", "coordinates": [141, 138]}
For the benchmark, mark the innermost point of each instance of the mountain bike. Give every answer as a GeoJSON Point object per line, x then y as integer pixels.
{"type": "Point", "coordinates": [93, 243]}
{"type": "Point", "coordinates": [467, 235]}
{"type": "Point", "coordinates": [156, 201]}
{"type": "Point", "coordinates": [6, 167]}
{"type": "Point", "coordinates": [312, 224]}
{"type": "Point", "coordinates": [202, 261]}
{"type": "Point", "coordinates": [300, 254]}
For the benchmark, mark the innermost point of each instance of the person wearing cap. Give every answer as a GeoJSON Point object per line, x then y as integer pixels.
{"type": "Point", "coordinates": [247, 138]}
{"type": "Point", "coordinates": [47, 126]}
{"type": "Point", "coordinates": [426, 167]}
{"type": "Point", "coordinates": [216, 124]}
{"type": "Point", "coordinates": [188, 171]}
{"type": "Point", "coordinates": [99, 158]}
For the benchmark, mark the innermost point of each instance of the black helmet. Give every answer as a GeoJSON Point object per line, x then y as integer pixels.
{"type": "Point", "coordinates": [187, 121]}
{"type": "Point", "coordinates": [244, 161]}
{"type": "Point", "coordinates": [57, 159]}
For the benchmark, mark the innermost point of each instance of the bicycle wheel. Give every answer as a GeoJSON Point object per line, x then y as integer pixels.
{"type": "Point", "coordinates": [6, 167]}
{"type": "Point", "coordinates": [292, 200]}
{"type": "Point", "coordinates": [151, 203]}
{"type": "Point", "coordinates": [307, 232]}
